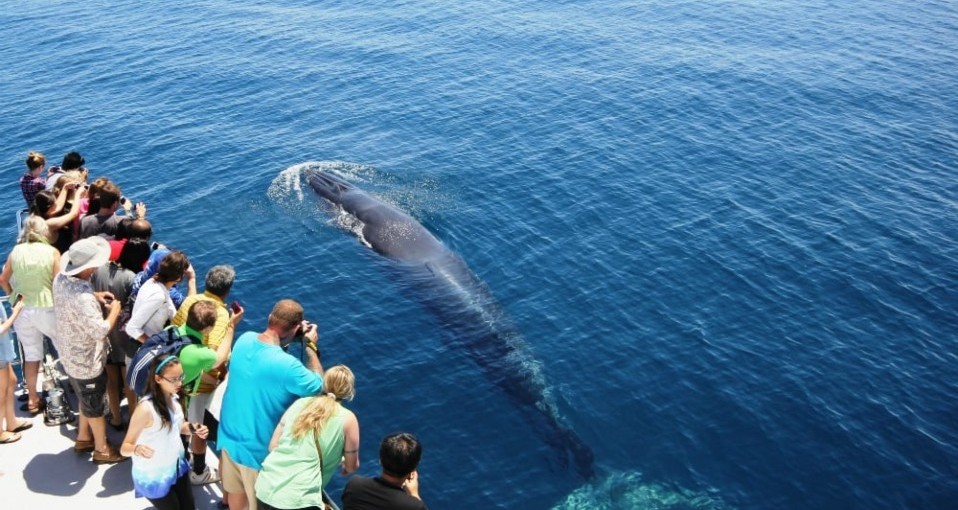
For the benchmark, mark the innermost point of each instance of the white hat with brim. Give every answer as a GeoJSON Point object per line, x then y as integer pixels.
{"type": "Point", "coordinates": [84, 254]}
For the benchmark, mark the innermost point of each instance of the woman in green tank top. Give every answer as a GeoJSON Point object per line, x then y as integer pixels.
{"type": "Point", "coordinates": [315, 436]}
{"type": "Point", "coordinates": [29, 271]}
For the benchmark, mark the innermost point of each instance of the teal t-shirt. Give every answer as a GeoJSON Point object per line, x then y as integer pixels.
{"type": "Point", "coordinates": [263, 382]}
{"type": "Point", "coordinates": [290, 476]}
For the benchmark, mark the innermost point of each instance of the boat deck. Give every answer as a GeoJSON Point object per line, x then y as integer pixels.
{"type": "Point", "coordinates": [42, 471]}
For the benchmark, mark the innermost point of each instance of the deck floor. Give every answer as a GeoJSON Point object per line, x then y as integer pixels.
{"type": "Point", "coordinates": [42, 471]}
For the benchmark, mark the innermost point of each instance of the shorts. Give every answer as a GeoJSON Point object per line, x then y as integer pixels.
{"type": "Point", "coordinates": [199, 403]}
{"type": "Point", "coordinates": [92, 395]}
{"type": "Point", "coordinates": [8, 351]}
{"type": "Point", "coordinates": [238, 479]}
{"type": "Point", "coordinates": [117, 354]}
{"type": "Point", "coordinates": [31, 326]}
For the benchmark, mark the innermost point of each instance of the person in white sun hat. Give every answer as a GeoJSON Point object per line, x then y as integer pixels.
{"type": "Point", "coordinates": [83, 342]}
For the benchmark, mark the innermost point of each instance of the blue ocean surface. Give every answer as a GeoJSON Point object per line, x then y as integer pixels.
{"type": "Point", "coordinates": [727, 231]}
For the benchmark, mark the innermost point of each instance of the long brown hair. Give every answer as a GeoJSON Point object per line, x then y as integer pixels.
{"type": "Point", "coordinates": [338, 384]}
{"type": "Point", "coordinates": [155, 393]}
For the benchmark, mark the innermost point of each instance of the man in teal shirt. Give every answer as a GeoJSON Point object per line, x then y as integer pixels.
{"type": "Point", "coordinates": [263, 382]}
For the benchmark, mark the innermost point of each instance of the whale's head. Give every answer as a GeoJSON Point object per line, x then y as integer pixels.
{"type": "Point", "coordinates": [328, 186]}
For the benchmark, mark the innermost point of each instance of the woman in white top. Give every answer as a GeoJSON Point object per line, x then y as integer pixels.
{"type": "Point", "coordinates": [153, 440]}
{"type": "Point", "coordinates": [154, 308]}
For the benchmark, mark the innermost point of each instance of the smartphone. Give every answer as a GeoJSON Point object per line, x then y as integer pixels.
{"type": "Point", "coordinates": [235, 306]}
{"type": "Point", "coordinates": [18, 298]}
{"type": "Point", "coordinates": [155, 246]}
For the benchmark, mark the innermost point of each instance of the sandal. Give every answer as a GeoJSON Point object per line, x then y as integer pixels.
{"type": "Point", "coordinates": [12, 438]}
{"type": "Point", "coordinates": [23, 425]}
{"type": "Point", "coordinates": [34, 410]}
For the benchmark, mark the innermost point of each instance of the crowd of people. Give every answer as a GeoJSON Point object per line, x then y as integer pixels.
{"type": "Point", "coordinates": [113, 305]}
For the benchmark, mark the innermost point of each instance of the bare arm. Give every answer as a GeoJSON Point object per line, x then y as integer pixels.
{"type": "Point", "coordinates": [56, 263]}
{"type": "Point", "coordinates": [191, 281]}
{"type": "Point", "coordinates": [61, 199]}
{"type": "Point", "coordinates": [5, 277]}
{"type": "Point", "coordinates": [58, 222]}
{"type": "Point", "coordinates": [140, 420]}
{"type": "Point", "coordinates": [274, 441]}
{"type": "Point", "coordinates": [13, 316]}
{"type": "Point", "coordinates": [351, 444]}
{"type": "Point", "coordinates": [312, 355]}
{"type": "Point", "coordinates": [226, 344]}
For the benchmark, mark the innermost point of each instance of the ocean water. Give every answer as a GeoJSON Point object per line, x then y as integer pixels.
{"type": "Point", "coordinates": [726, 230]}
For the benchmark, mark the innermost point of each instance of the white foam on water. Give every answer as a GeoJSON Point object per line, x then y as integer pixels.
{"type": "Point", "coordinates": [627, 491]}
{"type": "Point", "coordinates": [290, 191]}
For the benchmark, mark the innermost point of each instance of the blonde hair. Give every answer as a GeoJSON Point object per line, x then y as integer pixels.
{"type": "Point", "coordinates": [338, 384]}
{"type": "Point", "coordinates": [67, 178]}
{"type": "Point", "coordinates": [34, 230]}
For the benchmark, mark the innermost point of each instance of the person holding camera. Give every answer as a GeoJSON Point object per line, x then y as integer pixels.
{"type": "Point", "coordinates": [263, 382]}
{"type": "Point", "coordinates": [219, 281]}
{"type": "Point", "coordinates": [83, 343]}
{"type": "Point", "coordinates": [397, 487]}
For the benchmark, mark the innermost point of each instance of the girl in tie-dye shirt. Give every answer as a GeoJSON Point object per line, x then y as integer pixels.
{"type": "Point", "coordinates": [153, 440]}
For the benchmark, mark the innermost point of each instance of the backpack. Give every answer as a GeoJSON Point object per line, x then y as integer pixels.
{"type": "Point", "coordinates": [168, 341]}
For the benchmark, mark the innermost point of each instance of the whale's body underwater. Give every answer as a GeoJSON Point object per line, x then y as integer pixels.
{"type": "Point", "coordinates": [463, 304]}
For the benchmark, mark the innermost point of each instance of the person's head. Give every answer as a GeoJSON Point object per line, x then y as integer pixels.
{"type": "Point", "coordinates": [84, 257]}
{"type": "Point", "coordinates": [72, 161]}
{"type": "Point", "coordinates": [339, 384]}
{"type": "Point", "coordinates": [107, 196]}
{"type": "Point", "coordinates": [35, 162]}
{"type": "Point", "coordinates": [93, 193]}
{"type": "Point", "coordinates": [202, 316]}
{"type": "Point", "coordinates": [43, 204]}
{"type": "Point", "coordinates": [123, 228]}
{"type": "Point", "coordinates": [172, 267]}
{"type": "Point", "coordinates": [399, 454]}
{"type": "Point", "coordinates": [219, 280]}
{"type": "Point", "coordinates": [167, 380]}
{"type": "Point", "coordinates": [34, 230]}
{"type": "Point", "coordinates": [72, 179]}
{"type": "Point", "coordinates": [134, 254]}
{"type": "Point", "coordinates": [140, 229]}
{"type": "Point", "coordinates": [286, 317]}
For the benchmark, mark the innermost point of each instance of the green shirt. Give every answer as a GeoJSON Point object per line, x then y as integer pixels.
{"type": "Point", "coordinates": [32, 268]}
{"type": "Point", "coordinates": [195, 359]}
{"type": "Point", "coordinates": [290, 476]}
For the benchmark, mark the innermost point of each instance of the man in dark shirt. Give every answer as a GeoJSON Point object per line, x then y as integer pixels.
{"type": "Point", "coordinates": [397, 487]}
{"type": "Point", "coordinates": [103, 222]}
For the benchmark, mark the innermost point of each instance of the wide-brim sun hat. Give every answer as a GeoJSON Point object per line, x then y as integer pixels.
{"type": "Point", "coordinates": [84, 254]}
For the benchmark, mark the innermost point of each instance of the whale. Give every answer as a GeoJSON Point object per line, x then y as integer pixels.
{"type": "Point", "coordinates": [465, 307]}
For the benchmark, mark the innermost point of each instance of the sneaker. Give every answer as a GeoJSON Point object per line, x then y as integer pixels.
{"type": "Point", "coordinates": [203, 478]}
{"type": "Point", "coordinates": [110, 456]}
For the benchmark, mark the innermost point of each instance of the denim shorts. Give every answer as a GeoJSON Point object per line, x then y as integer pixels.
{"type": "Point", "coordinates": [8, 350]}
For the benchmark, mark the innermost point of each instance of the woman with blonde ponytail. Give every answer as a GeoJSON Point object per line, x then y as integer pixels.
{"type": "Point", "coordinates": [315, 436]}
